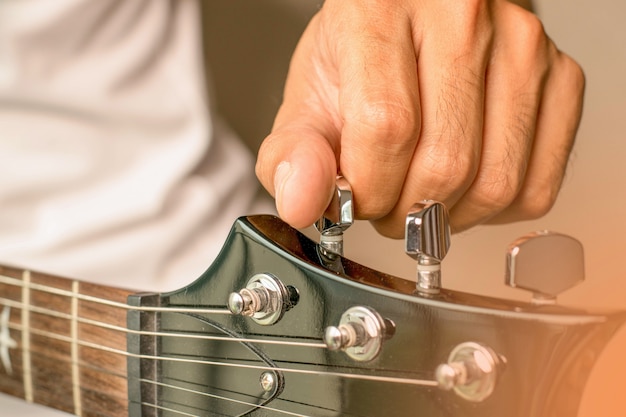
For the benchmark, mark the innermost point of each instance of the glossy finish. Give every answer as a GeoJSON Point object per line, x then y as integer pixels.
{"type": "Point", "coordinates": [545, 263]}
{"type": "Point", "coordinates": [549, 349]}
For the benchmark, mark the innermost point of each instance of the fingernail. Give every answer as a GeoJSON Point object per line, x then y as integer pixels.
{"type": "Point", "coordinates": [281, 176]}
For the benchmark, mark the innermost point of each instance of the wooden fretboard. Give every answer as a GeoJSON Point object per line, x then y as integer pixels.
{"type": "Point", "coordinates": [63, 343]}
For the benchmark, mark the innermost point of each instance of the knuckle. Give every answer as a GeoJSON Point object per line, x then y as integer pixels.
{"type": "Point", "coordinates": [528, 27]}
{"type": "Point", "coordinates": [574, 73]}
{"type": "Point", "coordinates": [391, 122]}
{"type": "Point", "coordinates": [449, 170]}
{"type": "Point", "coordinates": [471, 13]}
{"type": "Point", "coordinates": [531, 29]}
{"type": "Point", "coordinates": [496, 191]}
{"type": "Point", "coordinates": [532, 45]}
{"type": "Point", "coordinates": [372, 204]}
{"type": "Point", "coordinates": [473, 21]}
{"type": "Point", "coordinates": [538, 201]}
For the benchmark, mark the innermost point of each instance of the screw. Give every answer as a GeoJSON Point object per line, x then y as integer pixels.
{"type": "Point", "coordinates": [267, 381]}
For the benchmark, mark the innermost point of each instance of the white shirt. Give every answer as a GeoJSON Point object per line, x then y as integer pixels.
{"type": "Point", "coordinates": [111, 166]}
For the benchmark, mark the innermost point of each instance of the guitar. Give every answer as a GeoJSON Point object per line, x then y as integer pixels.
{"type": "Point", "coordinates": [278, 326]}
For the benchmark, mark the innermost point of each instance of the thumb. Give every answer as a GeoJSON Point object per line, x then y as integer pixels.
{"type": "Point", "coordinates": [297, 165]}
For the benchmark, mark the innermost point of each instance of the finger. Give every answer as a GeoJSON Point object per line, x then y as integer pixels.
{"type": "Point", "coordinates": [559, 117]}
{"type": "Point", "coordinates": [297, 162]}
{"type": "Point", "coordinates": [378, 101]}
{"type": "Point", "coordinates": [451, 83]}
{"type": "Point", "coordinates": [512, 98]}
{"type": "Point", "coordinates": [297, 165]}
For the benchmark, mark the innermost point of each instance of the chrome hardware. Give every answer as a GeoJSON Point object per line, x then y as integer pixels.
{"type": "Point", "coordinates": [265, 299]}
{"type": "Point", "coordinates": [267, 381]}
{"type": "Point", "coordinates": [338, 217]}
{"type": "Point", "coordinates": [427, 240]}
{"type": "Point", "coordinates": [360, 333]}
{"type": "Point", "coordinates": [545, 263]}
{"type": "Point", "coordinates": [471, 371]}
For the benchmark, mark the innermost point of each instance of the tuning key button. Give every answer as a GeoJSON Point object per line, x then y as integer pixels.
{"type": "Point", "coordinates": [265, 299]}
{"type": "Point", "coordinates": [427, 240]}
{"type": "Point", "coordinates": [545, 263]}
{"type": "Point", "coordinates": [360, 333]}
{"type": "Point", "coordinates": [472, 371]}
{"type": "Point", "coordinates": [339, 216]}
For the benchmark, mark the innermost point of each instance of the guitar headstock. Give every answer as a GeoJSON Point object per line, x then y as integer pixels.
{"type": "Point", "coordinates": [278, 325]}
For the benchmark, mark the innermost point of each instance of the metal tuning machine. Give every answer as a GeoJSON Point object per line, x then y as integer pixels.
{"type": "Point", "coordinates": [427, 240]}
{"type": "Point", "coordinates": [360, 333]}
{"type": "Point", "coordinates": [545, 263]}
{"type": "Point", "coordinates": [265, 299]}
{"type": "Point", "coordinates": [338, 218]}
{"type": "Point", "coordinates": [472, 371]}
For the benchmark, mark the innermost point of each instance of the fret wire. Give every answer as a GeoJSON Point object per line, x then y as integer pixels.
{"type": "Point", "coordinates": [395, 380]}
{"type": "Point", "coordinates": [83, 297]}
{"type": "Point", "coordinates": [53, 313]}
{"type": "Point", "coordinates": [74, 351]}
{"type": "Point", "coordinates": [219, 397]}
{"type": "Point", "coordinates": [26, 359]}
{"type": "Point", "coordinates": [78, 363]}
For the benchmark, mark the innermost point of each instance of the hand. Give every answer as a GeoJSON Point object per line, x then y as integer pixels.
{"type": "Point", "coordinates": [464, 101]}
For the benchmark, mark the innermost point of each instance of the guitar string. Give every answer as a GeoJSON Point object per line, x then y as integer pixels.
{"type": "Point", "coordinates": [559, 319]}
{"type": "Point", "coordinates": [160, 407]}
{"type": "Point", "coordinates": [206, 394]}
{"type": "Point", "coordinates": [374, 378]}
{"type": "Point", "coordinates": [83, 297]}
{"type": "Point", "coordinates": [57, 314]}
{"type": "Point", "coordinates": [56, 291]}
{"type": "Point", "coordinates": [42, 310]}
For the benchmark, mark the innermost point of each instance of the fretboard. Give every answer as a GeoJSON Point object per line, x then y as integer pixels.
{"type": "Point", "coordinates": [63, 343]}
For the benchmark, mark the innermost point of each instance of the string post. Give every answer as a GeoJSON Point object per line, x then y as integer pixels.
{"type": "Point", "coordinates": [247, 302]}
{"type": "Point", "coordinates": [472, 371]}
{"type": "Point", "coordinates": [427, 240]}
{"type": "Point", "coordinates": [339, 216]}
{"type": "Point", "coordinates": [265, 299]}
{"type": "Point", "coordinates": [360, 333]}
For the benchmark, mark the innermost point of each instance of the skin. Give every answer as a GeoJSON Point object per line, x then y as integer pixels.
{"type": "Point", "coordinates": [465, 102]}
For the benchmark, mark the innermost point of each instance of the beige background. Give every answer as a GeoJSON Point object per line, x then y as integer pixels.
{"type": "Point", "coordinates": [592, 205]}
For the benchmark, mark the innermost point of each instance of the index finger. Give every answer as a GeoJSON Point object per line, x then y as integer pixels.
{"type": "Point", "coordinates": [378, 102]}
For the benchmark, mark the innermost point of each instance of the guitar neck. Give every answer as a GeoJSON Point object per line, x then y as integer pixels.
{"type": "Point", "coordinates": [63, 343]}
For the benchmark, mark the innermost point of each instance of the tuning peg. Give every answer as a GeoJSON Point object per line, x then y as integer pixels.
{"type": "Point", "coordinates": [472, 371]}
{"type": "Point", "coordinates": [338, 218]}
{"type": "Point", "coordinates": [427, 240]}
{"type": "Point", "coordinates": [265, 299]}
{"type": "Point", "coordinates": [545, 263]}
{"type": "Point", "coordinates": [360, 333]}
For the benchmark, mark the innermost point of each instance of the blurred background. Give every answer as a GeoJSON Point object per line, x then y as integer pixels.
{"type": "Point", "coordinates": [249, 43]}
